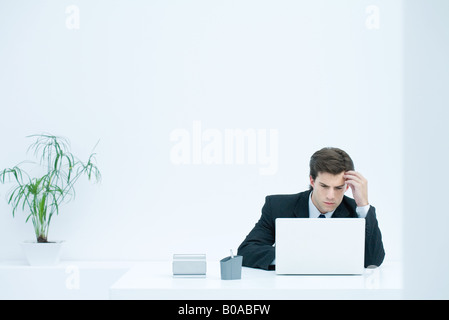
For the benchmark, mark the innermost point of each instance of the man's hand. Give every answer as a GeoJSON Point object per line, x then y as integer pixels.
{"type": "Point", "coordinates": [359, 187]}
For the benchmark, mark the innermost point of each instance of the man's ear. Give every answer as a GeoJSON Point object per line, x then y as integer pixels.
{"type": "Point", "coordinates": [312, 182]}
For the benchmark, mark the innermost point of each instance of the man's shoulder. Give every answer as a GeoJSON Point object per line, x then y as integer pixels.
{"type": "Point", "coordinates": [285, 205]}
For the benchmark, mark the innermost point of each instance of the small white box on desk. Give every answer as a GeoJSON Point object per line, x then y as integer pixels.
{"type": "Point", "coordinates": [189, 265]}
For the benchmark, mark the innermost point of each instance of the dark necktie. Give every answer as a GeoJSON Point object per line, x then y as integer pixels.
{"type": "Point", "coordinates": [322, 216]}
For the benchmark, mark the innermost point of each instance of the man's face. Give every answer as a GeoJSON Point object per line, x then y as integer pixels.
{"type": "Point", "coordinates": [328, 191]}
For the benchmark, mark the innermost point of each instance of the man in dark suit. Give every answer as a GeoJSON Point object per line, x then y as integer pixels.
{"type": "Point", "coordinates": [331, 174]}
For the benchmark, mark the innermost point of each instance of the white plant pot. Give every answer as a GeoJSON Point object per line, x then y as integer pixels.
{"type": "Point", "coordinates": [42, 254]}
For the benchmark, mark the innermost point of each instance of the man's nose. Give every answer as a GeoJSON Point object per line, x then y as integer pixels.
{"type": "Point", "coordinates": [330, 194]}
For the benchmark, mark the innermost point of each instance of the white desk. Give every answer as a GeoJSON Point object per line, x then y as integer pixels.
{"type": "Point", "coordinates": [154, 280]}
{"type": "Point", "coordinates": [68, 280]}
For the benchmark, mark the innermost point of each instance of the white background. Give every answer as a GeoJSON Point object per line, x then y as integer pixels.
{"type": "Point", "coordinates": [135, 71]}
{"type": "Point", "coordinates": [426, 149]}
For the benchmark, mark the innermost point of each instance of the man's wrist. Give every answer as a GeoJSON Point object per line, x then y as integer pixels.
{"type": "Point", "coordinates": [362, 211]}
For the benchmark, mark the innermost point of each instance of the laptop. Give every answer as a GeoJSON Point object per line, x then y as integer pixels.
{"type": "Point", "coordinates": [320, 246]}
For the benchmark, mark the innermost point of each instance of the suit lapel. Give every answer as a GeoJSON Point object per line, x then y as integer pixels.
{"type": "Point", "coordinates": [301, 209]}
{"type": "Point", "coordinates": [341, 211]}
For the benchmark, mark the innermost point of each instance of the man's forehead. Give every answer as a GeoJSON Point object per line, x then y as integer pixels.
{"type": "Point", "coordinates": [333, 180]}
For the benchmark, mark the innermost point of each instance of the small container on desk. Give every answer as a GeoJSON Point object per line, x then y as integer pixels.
{"type": "Point", "coordinates": [231, 267]}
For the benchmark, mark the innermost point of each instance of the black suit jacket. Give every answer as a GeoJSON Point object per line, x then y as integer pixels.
{"type": "Point", "coordinates": [258, 251]}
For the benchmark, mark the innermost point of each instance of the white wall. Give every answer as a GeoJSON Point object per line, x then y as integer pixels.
{"type": "Point", "coordinates": [143, 75]}
{"type": "Point", "coordinates": [426, 149]}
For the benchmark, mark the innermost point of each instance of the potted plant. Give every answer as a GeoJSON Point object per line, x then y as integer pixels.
{"type": "Point", "coordinates": [41, 196]}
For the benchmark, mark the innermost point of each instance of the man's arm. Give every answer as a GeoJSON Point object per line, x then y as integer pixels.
{"type": "Point", "coordinates": [257, 248]}
{"type": "Point", "coordinates": [374, 248]}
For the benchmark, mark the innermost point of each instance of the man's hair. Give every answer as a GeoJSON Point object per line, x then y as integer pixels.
{"type": "Point", "coordinates": [330, 160]}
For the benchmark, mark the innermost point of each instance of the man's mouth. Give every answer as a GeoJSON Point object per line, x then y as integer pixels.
{"type": "Point", "coordinates": [329, 203]}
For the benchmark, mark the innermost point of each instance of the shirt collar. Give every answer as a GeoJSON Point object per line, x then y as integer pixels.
{"type": "Point", "coordinates": [314, 212]}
